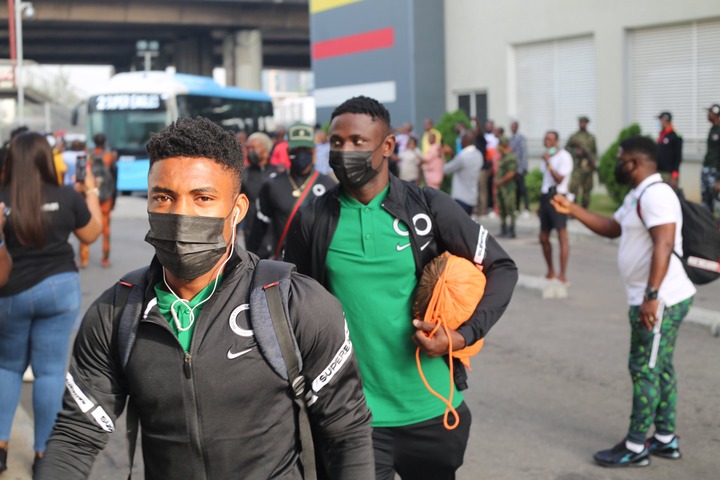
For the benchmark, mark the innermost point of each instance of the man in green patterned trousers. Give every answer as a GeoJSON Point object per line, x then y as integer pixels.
{"type": "Point", "coordinates": [505, 184]}
{"type": "Point", "coordinates": [649, 224]}
{"type": "Point", "coordinates": [581, 146]}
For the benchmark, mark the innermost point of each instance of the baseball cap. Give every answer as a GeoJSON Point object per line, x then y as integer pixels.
{"type": "Point", "coordinates": [714, 109]}
{"type": "Point", "coordinates": [300, 135]}
{"type": "Point", "coordinates": [666, 115]}
{"type": "Point", "coordinates": [583, 118]}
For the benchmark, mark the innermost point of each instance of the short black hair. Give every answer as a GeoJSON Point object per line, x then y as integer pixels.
{"type": "Point", "coordinates": [99, 140]}
{"type": "Point", "coordinates": [200, 138]}
{"type": "Point", "coordinates": [639, 144]}
{"type": "Point", "coordinates": [366, 106]}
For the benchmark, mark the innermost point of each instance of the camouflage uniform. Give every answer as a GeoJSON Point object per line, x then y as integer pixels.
{"type": "Point", "coordinates": [506, 192]}
{"type": "Point", "coordinates": [581, 146]}
{"type": "Point", "coordinates": [711, 171]}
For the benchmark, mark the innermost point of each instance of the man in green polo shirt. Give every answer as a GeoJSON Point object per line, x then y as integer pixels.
{"type": "Point", "coordinates": [368, 240]}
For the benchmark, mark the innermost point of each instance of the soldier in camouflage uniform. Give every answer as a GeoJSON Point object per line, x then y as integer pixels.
{"type": "Point", "coordinates": [710, 176]}
{"type": "Point", "coordinates": [505, 185]}
{"type": "Point", "coordinates": [581, 146]}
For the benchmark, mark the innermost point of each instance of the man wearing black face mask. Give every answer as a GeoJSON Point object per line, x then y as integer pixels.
{"type": "Point", "coordinates": [210, 405]}
{"type": "Point", "coordinates": [258, 170]}
{"type": "Point", "coordinates": [368, 241]}
{"type": "Point", "coordinates": [649, 224]}
{"type": "Point", "coordinates": [283, 194]}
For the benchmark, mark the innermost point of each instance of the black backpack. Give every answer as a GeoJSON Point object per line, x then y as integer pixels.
{"type": "Point", "coordinates": [701, 240]}
{"type": "Point", "coordinates": [103, 176]}
{"type": "Point", "coordinates": [273, 332]}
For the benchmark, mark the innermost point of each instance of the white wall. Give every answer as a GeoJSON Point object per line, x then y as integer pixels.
{"type": "Point", "coordinates": [480, 37]}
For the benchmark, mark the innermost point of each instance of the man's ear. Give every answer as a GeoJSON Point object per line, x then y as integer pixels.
{"type": "Point", "coordinates": [242, 204]}
{"type": "Point", "coordinates": [389, 145]}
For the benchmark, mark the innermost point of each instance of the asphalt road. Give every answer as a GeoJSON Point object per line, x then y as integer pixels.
{"type": "Point", "coordinates": [549, 388]}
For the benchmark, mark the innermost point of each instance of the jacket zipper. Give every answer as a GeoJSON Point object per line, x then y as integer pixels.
{"type": "Point", "coordinates": [193, 418]}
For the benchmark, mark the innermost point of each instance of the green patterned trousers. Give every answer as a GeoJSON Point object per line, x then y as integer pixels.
{"type": "Point", "coordinates": [654, 389]}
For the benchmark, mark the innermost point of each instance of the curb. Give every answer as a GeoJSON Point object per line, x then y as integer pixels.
{"type": "Point", "coordinates": [552, 289]}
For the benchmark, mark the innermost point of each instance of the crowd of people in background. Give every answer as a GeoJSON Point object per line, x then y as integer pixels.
{"type": "Point", "coordinates": [327, 201]}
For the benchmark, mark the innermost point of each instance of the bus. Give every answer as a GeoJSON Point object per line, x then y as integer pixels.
{"type": "Point", "coordinates": [132, 106]}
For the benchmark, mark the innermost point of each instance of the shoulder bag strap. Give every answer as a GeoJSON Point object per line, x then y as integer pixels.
{"type": "Point", "coordinates": [299, 202]}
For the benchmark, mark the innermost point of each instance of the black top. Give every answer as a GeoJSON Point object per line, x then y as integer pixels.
{"type": "Point", "coordinates": [253, 178]}
{"type": "Point", "coordinates": [669, 153]}
{"type": "Point", "coordinates": [439, 225]}
{"type": "Point", "coordinates": [65, 211]}
{"type": "Point", "coordinates": [211, 413]}
{"type": "Point", "coordinates": [276, 202]}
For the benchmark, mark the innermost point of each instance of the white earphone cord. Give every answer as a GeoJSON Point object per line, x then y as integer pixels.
{"type": "Point", "coordinates": [178, 324]}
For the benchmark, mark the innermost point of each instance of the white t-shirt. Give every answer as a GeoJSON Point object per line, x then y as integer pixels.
{"type": "Point", "coordinates": [562, 163]}
{"type": "Point", "coordinates": [659, 206]}
{"type": "Point", "coordinates": [410, 165]}
{"type": "Point", "coordinates": [491, 140]}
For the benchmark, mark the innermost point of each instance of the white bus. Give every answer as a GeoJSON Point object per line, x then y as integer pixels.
{"type": "Point", "coordinates": [132, 106]}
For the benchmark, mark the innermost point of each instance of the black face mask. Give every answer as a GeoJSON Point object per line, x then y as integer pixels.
{"type": "Point", "coordinates": [253, 157]}
{"type": "Point", "coordinates": [300, 161]}
{"type": "Point", "coordinates": [622, 174]}
{"type": "Point", "coordinates": [353, 168]}
{"type": "Point", "coordinates": [188, 246]}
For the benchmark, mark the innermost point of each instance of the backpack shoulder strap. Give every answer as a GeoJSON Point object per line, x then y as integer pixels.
{"type": "Point", "coordinates": [268, 330]}
{"type": "Point", "coordinates": [273, 332]}
{"type": "Point", "coordinates": [127, 304]}
{"type": "Point", "coordinates": [638, 207]}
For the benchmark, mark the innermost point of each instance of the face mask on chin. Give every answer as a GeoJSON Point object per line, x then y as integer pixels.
{"type": "Point", "coordinates": [187, 246]}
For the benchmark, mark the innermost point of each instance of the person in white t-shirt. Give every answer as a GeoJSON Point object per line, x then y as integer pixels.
{"type": "Point", "coordinates": [659, 294]}
{"type": "Point", "coordinates": [557, 168]}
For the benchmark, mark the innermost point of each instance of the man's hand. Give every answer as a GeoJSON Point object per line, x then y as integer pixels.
{"type": "Point", "coordinates": [561, 204]}
{"type": "Point", "coordinates": [648, 311]}
{"type": "Point", "coordinates": [436, 346]}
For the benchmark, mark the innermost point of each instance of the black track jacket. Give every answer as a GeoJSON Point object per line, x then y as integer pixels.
{"type": "Point", "coordinates": [438, 225]}
{"type": "Point", "coordinates": [218, 412]}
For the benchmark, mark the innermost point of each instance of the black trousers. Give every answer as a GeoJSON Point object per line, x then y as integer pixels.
{"type": "Point", "coordinates": [522, 193]}
{"type": "Point", "coordinates": [422, 451]}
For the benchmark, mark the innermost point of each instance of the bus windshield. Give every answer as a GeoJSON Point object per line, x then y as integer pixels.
{"type": "Point", "coordinates": [230, 113]}
{"type": "Point", "coordinates": [127, 120]}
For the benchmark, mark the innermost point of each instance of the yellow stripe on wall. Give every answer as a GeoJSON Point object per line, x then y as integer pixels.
{"type": "Point", "coordinates": [317, 6]}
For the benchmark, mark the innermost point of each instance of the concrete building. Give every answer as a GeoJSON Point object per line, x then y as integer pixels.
{"type": "Point", "coordinates": [619, 62]}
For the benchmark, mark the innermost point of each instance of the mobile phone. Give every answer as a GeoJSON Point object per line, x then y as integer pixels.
{"type": "Point", "coordinates": [81, 168]}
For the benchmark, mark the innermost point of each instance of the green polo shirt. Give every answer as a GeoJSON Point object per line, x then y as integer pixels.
{"type": "Point", "coordinates": [371, 270]}
{"type": "Point", "coordinates": [165, 300]}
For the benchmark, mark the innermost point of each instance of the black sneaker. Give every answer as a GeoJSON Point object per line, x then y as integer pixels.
{"type": "Point", "coordinates": [669, 450]}
{"type": "Point", "coordinates": [620, 456]}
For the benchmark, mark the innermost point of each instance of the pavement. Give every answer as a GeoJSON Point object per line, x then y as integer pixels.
{"type": "Point", "coordinates": [592, 268]}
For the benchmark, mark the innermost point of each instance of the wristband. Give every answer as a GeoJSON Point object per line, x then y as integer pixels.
{"type": "Point", "coordinates": [93, 191]}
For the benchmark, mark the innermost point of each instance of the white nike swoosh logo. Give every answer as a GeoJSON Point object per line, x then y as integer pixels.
{"type": "Point", "coordinates": [232, 356]}
{"type": "Point", "coordinates": [400, 248]}
{"type": "Point", "coordinates": [426, 244]}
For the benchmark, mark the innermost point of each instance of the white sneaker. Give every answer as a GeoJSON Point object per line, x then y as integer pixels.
{"type": "Point", "coordinates": [28, 375]}
{"type": "Point", "coordinates": [492, 214]}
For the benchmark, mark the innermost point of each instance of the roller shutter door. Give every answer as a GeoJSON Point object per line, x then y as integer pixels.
{"type": "Point", "coordinates": [676, 69]}
{"type": "Point", "coordinates": [556, 83]}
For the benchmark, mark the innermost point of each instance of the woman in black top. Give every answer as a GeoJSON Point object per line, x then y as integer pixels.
{"type": "Point", "coordinates": [40, 300]}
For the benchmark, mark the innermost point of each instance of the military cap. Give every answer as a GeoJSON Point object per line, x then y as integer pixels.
{"type": "Point", "coordinates": [583, 118]}
{"type": "Point", "coordinates": [714, 109]}
{"type": "Point", "coordinates": [301, 135]}
{"type": "Point", "coordinates": [665, 115]}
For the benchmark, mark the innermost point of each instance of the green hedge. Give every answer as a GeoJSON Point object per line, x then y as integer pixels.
{"type": "Point", "coordinates": [533, 182]}
{"type": "Point", "coordinates": [606, 169]}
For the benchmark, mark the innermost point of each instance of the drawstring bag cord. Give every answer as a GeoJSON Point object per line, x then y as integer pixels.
{"type": "Point", "coordinates": [436, 304]}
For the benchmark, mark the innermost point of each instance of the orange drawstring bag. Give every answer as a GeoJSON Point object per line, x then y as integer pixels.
{"type": "Point", "coordinates": [447, 295]}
